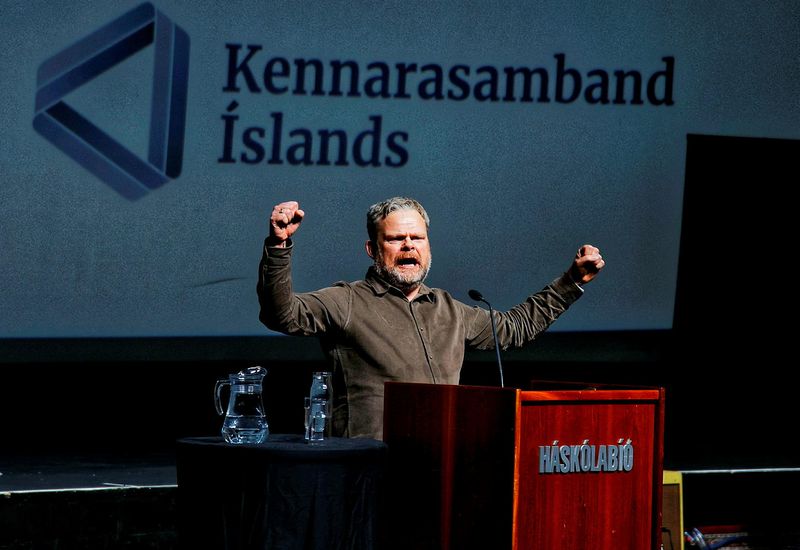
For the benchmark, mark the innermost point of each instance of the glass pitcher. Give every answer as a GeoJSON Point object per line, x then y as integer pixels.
{"type": "Point", "coordinates": [245, 421]}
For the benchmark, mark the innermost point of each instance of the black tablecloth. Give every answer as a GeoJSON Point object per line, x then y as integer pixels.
{"type": "Point", "coordinates": [282, 494]}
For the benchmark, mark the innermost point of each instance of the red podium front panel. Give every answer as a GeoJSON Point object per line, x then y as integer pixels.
{"type": "Point", "coordinates": [588, 470]}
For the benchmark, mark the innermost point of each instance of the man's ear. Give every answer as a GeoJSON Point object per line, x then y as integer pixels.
{"type": "Point", "coordinates": [369, 249]}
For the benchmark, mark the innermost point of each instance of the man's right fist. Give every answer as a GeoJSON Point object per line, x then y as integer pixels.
{"type": "Point", "coordinates": [284, 221]}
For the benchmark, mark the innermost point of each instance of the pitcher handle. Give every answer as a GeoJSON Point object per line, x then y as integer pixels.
{"type": "Point", "coordinates": [217, 389]}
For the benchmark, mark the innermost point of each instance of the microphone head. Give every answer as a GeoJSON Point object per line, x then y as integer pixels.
{"type": "Point", "coordinates": [475, 295]}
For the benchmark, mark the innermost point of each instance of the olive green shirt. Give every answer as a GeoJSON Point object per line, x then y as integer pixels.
{"type": "Point", "coordinates": [372, 334]}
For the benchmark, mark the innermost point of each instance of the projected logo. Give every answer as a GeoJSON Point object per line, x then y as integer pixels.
{"type": "Point", "coordinates": [82, 140]}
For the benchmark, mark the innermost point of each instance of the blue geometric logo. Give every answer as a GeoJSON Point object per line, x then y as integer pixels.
{"type": "Point", "coordinates": [88, 145]}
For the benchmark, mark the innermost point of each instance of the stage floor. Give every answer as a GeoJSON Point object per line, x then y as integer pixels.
{"type": "Point", "coordinates": [86, 472]}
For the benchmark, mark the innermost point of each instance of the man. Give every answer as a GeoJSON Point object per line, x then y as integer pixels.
{"type": "Point", "coordinates": [391, 326]}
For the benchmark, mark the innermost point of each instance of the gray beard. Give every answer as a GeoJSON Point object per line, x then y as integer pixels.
{"type": "Point", "coordinates": [400, 280]}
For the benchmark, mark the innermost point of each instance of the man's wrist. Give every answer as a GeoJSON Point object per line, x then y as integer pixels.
{"type": "Point", "coordinates": [275, 242]}
{"type": "Point", "coordinates": [577, 281]}
{"type": "Point", "coordinates": [571, 282]}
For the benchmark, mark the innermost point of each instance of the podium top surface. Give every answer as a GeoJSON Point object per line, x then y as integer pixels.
{"type": "Point", "coordinates": [548, 391]}
{"type": "Point", "coordinates": [592, 395]}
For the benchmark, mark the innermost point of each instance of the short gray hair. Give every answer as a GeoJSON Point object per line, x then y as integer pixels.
{"type": "Point", "coordinates": [381, 210]}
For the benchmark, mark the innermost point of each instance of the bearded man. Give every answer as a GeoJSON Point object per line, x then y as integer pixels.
{"type": "Point", "coordinates": [390, 326]}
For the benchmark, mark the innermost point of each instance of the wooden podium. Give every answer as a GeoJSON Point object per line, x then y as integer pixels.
{"type": "Point", "coordinates": [574, 467]}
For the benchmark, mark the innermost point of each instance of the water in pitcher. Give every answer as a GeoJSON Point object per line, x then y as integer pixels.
{"type": "Point", "coordinates": [245, 421]}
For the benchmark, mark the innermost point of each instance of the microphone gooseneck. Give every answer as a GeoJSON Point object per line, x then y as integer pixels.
{"type": "Point", "coordinates": [478, 297]}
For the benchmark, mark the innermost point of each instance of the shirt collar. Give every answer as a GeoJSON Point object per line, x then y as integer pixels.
{"type": "Point", "coordinates": [380, 287]}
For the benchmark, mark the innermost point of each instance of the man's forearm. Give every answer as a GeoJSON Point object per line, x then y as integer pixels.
{"type": "Point", "coordinates": [274, 286]}
{"type": "Point", "coordinates": [524, 322]}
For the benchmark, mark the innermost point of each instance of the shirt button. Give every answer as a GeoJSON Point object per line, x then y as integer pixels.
{"type": "Point", "coordinates": [422, 329]}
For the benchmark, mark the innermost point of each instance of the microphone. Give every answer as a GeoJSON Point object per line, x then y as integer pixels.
{"type": "Point", "coordinates": [478, 297]}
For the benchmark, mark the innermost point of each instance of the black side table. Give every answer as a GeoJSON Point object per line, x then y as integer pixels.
{"type": "Point", "coordinates": [282, 494]}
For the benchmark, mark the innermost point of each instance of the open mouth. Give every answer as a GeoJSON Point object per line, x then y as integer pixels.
{"type": "Point", "coordinates": [407, 262]}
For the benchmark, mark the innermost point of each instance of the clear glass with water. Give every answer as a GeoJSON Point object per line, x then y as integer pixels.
{"type": "Point", "coordinates": [318, 406]}
{"type": "Point", "coordinates": [245, 419]}
{"type": "Point", "coordinates": [317, 419]}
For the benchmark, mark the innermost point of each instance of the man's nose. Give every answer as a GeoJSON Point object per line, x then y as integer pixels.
{"type": "Point", "coordinates": [408, 243]}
